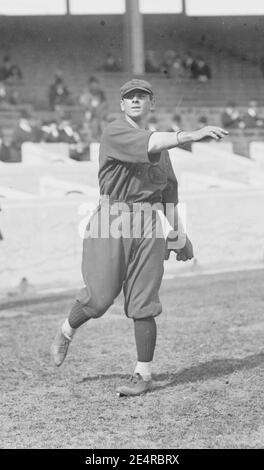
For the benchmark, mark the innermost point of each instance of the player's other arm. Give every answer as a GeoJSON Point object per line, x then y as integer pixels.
{"type": "Point", "coordinates": [159, 141]}
{"type": "Point", "coordinates": [177, 240]}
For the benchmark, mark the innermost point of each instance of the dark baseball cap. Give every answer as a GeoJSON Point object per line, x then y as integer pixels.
{"type": "Point", "coordinates": [136, 84]}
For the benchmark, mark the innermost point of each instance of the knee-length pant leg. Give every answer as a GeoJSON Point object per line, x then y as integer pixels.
{"type": "Point", "coordinates": [103, 270]}
{"type": "Point", "coordinates": [144, 276]}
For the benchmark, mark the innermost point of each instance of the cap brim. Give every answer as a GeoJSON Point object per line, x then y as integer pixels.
{"type": "Point", "coordinates": [136, 88]}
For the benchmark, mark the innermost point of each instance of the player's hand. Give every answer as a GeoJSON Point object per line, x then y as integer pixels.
{"type": "Point", "coordinates": [208, 133]}
{"type": "Point", "coordinates": [182, 254]}
{"type": "Point", "coordinates": [185, 253]}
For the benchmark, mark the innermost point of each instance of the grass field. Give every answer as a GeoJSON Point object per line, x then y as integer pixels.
{"type": "Point", "coordinates": [208, 371]}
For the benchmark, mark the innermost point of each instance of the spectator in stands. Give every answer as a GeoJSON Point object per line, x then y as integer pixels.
{"type": "Point", "coordinates": [9, 69]}
{"type": "Point", "coordinates": [252, 119]}
{"type": "Point", "coordinates": [177, 69]}
{"type": "Point", "coordinates": [168, 61]}
{"type": "Point", "coordinates": [9, 153]}
{"type": "Point", "coordinates": [231, 118]}
{"type": "Point", "coordinates": [8, 98]}
{"type": "Point", "coordinates": [151, 62]}
{"type": "Point", "coordinates": [66, 132]}
{"type": "Point", "coordinates": [58, 92]}
{"type": "Point", "coordinates": [176, 125]}
{"type": "Point", "coordinates": [188, 63]}
{"type": "Point", "coordinates": [26, 130]}
{"type": "Point", "coordinates": [201, 71]}
{"type": "Point", "coordinates": [50, 132]}
{"type": "Point", "coordinates": [111, 64]}
{"type": "Point", "coordinates": [93, 100]}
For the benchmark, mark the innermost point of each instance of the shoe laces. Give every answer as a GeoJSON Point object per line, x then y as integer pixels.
{"type": "Point", "coordinates": [135, 378]}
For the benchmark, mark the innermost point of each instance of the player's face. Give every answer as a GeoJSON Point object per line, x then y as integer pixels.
{"type": "Point", "coordinates": [137, 104]}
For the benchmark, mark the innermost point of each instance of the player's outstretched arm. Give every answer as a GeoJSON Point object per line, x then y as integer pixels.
{"type": "Point", "coordinates": [159, 141]}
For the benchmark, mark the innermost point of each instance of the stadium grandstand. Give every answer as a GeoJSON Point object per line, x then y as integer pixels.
{"type": "Point", "coordinates": [77, 44]}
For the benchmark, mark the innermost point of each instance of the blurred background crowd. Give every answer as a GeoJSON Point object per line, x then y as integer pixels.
{"type": "Point", "coordinates": [41, 102]}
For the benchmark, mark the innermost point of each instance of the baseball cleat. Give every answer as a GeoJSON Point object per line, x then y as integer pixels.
{"type": "Point", "coordinates": [136, 385]}
{"type": "Point", "coordinates": [59, 348]}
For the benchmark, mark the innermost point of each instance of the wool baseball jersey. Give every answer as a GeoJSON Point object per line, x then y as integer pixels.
{"type": "Point", "coordinates": [128, 173]}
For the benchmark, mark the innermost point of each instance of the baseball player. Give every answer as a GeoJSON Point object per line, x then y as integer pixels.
{"type": "Point", "coordinates": [127, 237]}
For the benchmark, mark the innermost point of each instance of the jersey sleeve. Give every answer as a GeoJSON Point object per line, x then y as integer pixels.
{"type": "Point", "coordinates": [170, 192]}
{"type": "Point", "coordinates": [125, 143]}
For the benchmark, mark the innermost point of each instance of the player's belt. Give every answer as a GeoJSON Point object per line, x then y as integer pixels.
{"type": "Point", "coordinates": [130, 206]}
